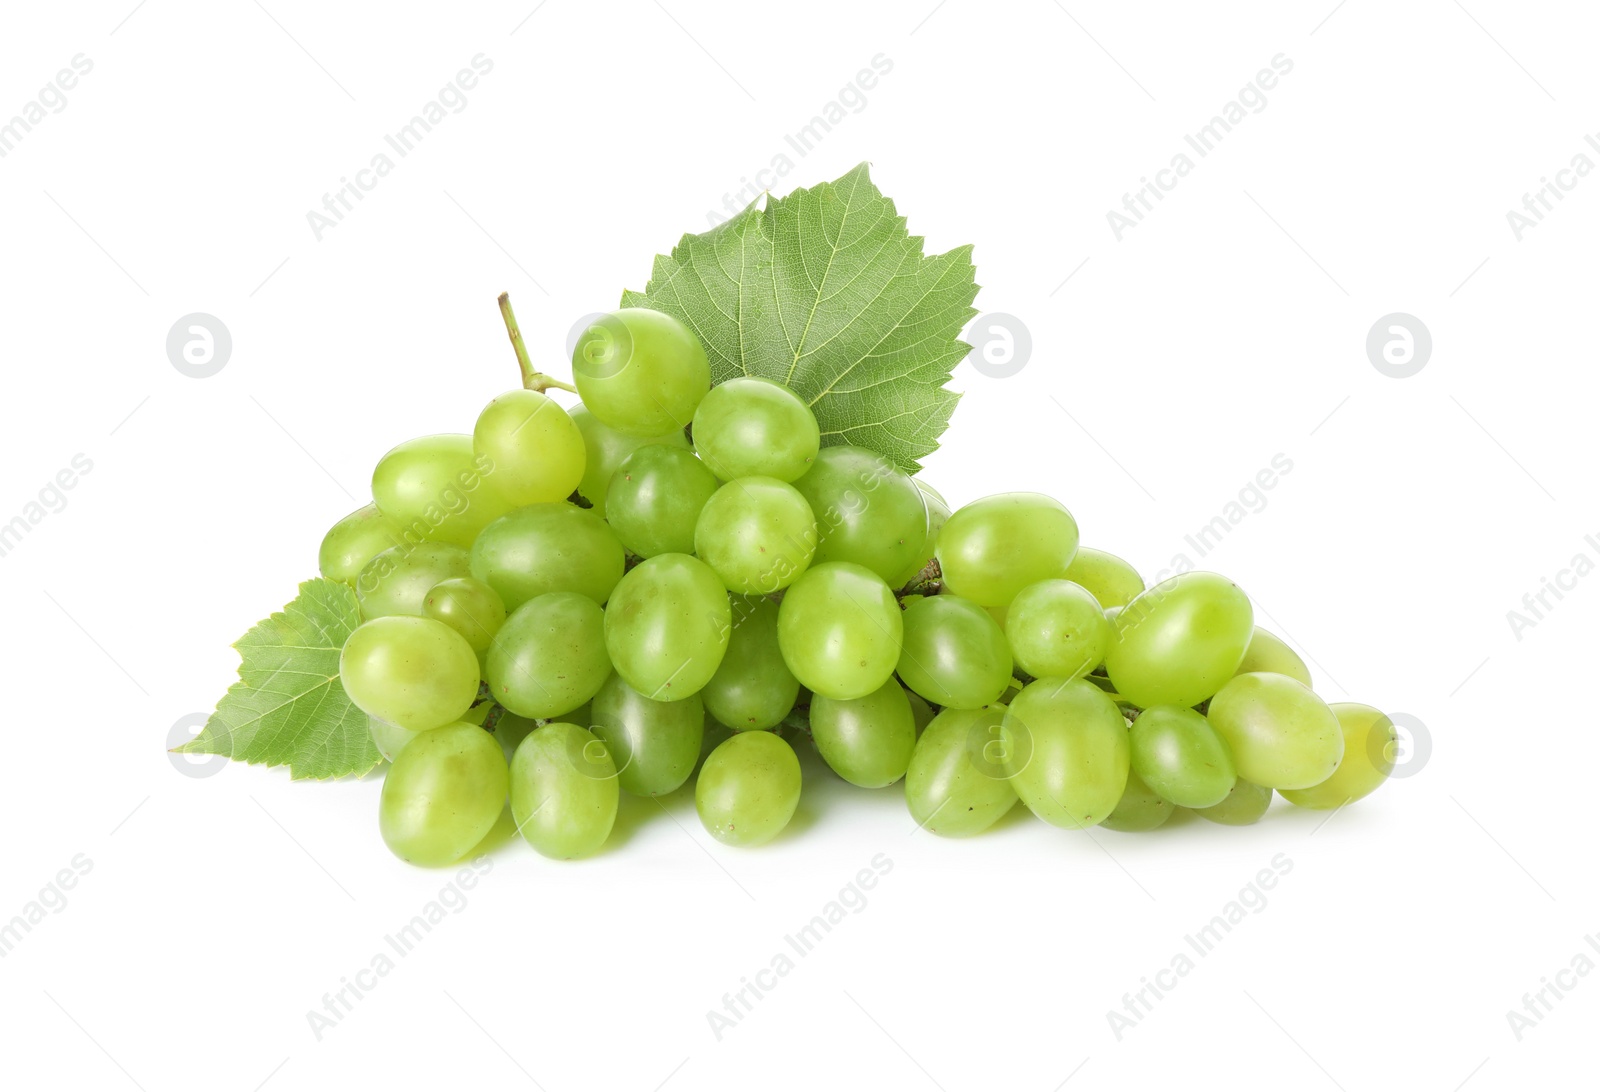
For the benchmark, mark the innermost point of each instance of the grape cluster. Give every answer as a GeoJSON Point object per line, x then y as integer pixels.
{"type": "Point", "coordinates": [565, 606]}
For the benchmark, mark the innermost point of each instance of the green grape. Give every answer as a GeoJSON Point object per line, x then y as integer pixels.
{"type": "Point", "coordinates": [1109, 579]}
{"type": "Point", "coordinates": [749, 427]}
{"type": "Point", "coordinates": [398, 580]}
{"type": "Point", "coordinates": [1282, 736]}
{"type": "Point", "coordinates": [1066, 749]}
{"type": "Point", "coordinates": [655, 744]}
{"type": "Point", "coordinates": [757, 533]}
{"type": "Point", "coordinates": [437, 489]}
{"type": "Point", "coordinates": [605, 449]}
{"type": "Point", "coordinates": [511, 729]}
{"type": "Point", "coordinates": [1267, 652]}
{"type": "Point", "coordinates": [443, 794]}
{"type": "Point", "coordinates": [667, 626]}
{"type": "Point", "coordinates": [1244, 805]}
{"type": "Point", "coordinates": [716, 735]}
{"type": "Point", "coordinates": [412, 672]}
{"type": "Point", "coordinates": [839, 628]}
{"type": "Point", "coordinates": [956, 784]}
{"type": "Point", "coordinates": [953, 653]}
{"type": "Point", "coordinates": [921, 711]}
{"type": "Point", "coordinates": [991, 549]}
{"type": "Point", "coordinates": [354, 541]}
{"type": "Point", "coordinates": [550, 656]}
{"type": "Point", "coordinates": [869, 512]}
{"type": "Point", "coordinates": [548, 548]}
{"type": "Point", "coordinates": [753, 688]}
{"type": "Point", "coordinates": [1177, 643]}
{"type": "Point", "coordinates": [640, 371]}
{"type": "Point", "coordinates": [1057, 629]}
{"type": "Point", "coordinates": [1177, 753]}
{"type": "Point", "coordinates": [748, 789]}
{"type": "Point", "coordinates": [1140, 808]}
{"type": "Point", "coordinates": [938, 513]}
{"type": "Point", "coordinates": [470, 607]}
{"type": "Point", "coordinates": [536, 450]}
{"type": "Point", "coordinates": [389, 739]}
{"type": "Point", "coordinates": [655, 498]}
{"type": "Point", "coordinates": [563, 791]}
{"type": "Point", "coordinates": [867, 741]}
{"type": "Point", "coordinates": [1370, 741]}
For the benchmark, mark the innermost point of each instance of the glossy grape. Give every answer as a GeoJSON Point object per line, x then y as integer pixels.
{"type": "Point", "coordinates": [655, 744]}
{"type": "Point", "coordinates": [758, 534]}
{"type": "Point", "coordinates": [548, 548]}
{"type": "Point", "coordinates": [938, 513]}
{"type": "Point", "coordinates": [412, 672]}
{"type": "Point", "coordinates": [839, 628]}
{"type": "Point", "coordinates": [655, 500]}
{"type": "Point", "coordinates": [1370, 741]}
{"type": "Point", "coordinates": [749, 427]}
{"type": "Point", "coordinates": [470, 607]}
{"type": "Point", "coordinates": [1178, 642]}
{"type": "Point", "coordinates": [748, 789]}
{"type": "Point", "coordinates": [991, 549]}
{"type": "Point", "coordinates": [605, 449]}
{"type": "Point", "coordinates": [1111, 580]}
{"type": "Point", "coordinates": [956, 783]}
{"type": "Point", "coordinates": [1282, 736]}
{"type": "Point", "coordinates": [667, 626]}
{"type": "Point", "coordinates": [867, 741]}
{"type": "Point", "coordinates": [642, 372]}
{"type": "Point", "coordinates": [536, 450]}
{"type": "Point", "coordinates": [868, 511]}
{"type": "Point", "coordinates": [563, 791]}
{"type": "Point", "coordinates": [1067, 751]}
{"type": "Point", "coordinates": [1057, 629]}
{"type": "Point", "coordinates": [1177, 753]}
{"type": "Point", "coordinates": [953, 653]}
{"type": "Point", "coordinates": [752, 688]}
{"type": "Point", "coordinates": [443, 794]}
{"type": "Point", "coordinates": [398, 580]}
{"type": "Point", "coordinates": [550, 655]}
{"type": "Point", "coordinates": [1141, 808]}
{"type": "Point", "coordinates": [1267, 652]}
{"type": "Point", "coordinates": [435, 488]}
{"type": "Point", "coordinates": [355, 540]}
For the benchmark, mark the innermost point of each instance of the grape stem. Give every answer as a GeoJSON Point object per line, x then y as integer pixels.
{"type": "Point", "coordinates": [531, 379]}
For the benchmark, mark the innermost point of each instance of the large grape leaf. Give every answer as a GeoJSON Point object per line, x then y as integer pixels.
{"type": "Point", "coordinates": [288, 707]}
{"type": "Point", "coordinates": [825, 291]}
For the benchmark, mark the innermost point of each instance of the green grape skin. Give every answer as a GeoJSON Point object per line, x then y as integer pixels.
{"type": "Point", "coordinates": [1370, 743]}
{"type": "Point", "coordinates": [398, 580]}
{"type": "Point", "coordinates": [921, 712]}
{"type": "Point", "coordinates": [1111, 580]}
{"type": "Point", "coordinates": [605, 449]}
{"type": "Point", "coordinates": [716, 735]}
{"type": "Point", "coordinates": [548, 548]}
{"type": "Point", "coordinates": [1180, 756]}
{"type": "Point", "coordinates": [655, 744]}
{"type": "Point", "coordinates": [753, 688]}
{"type": "Point", "coordinates": [749, 427]}
{"type": "Point", "coordinates": [1281, 735]}
{"type": "Point", "coordinates": [938, 513]}
{"type": "Point", "coordinates": [867, 741]}
{"type": "Point", "coordinates": [443, 794]}
{"type": "Point", "coordinates": [642, 372]}
{"type": "Point", "coordinates": [355, 540]}
{"type": "Point", "coordinates": [956, 785]}
{"type": "Point", "coordinates": [655, 499]}
{"type": "Point", "coordinates": [748, 789]}
{"type": "Point", "coordinates": [953, 653]}
{"type": "Point", "coordinates": [437, 489]}
{"type": "Point", "coordinates": [536, 450]}
{"type": "Point", "coordinates": [1178, 642]}
{"type": "Point", "coordinates": [1245, 804]}
{"type": "Point", "coordinates": [1058, 629]}
{"type": "Point", "coordinates": [868, 511]}
{"type": "Point", "coordinates": [563, 791]}
{"type": "Point", "coordinates": [550, 656]}
{"type": "Point", "coordinates": [839, 629]}
{"type": "Point", "coordinates": [1267, 652]}
{"type": "Point", "coordinates": [758, 534]}
{"type": "Point", "coordinates": [470, 607]}
{"type": "Point", "coordinates": [667, 626]}
{"type": "Point", "coordinates": [1140, 809]}
{"type": "Point", "coordinates": [510, 730]}
{"type": "Point", "coordinates": [991, 549]}
{"type": "Point", "coordinates": [389, 739]}
{"type": "Point", "coordinates": [1066, 747]}
{"type": "Point", "coordinates": [412, 672]}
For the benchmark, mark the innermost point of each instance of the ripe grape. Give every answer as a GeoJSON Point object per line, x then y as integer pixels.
{"type": "Point", "coordinates": [389, 739]}
{"type": "Point", "coordinates": [412, 672]}
{"type": "Point", "coordinates": [1178, 642]}
{"type": "Point", "coordinates": [1141, 808]}
{"type": "Point", "coordinates": [757, 533]}
{"type": "Point", "coordinates": [563, 791]}
{"type": "Point", "coordinates": [938, 513]}
{"type": "Point", "coordinates": [956, 783]}
{"type": "Point", "coordinates": [1244, 804]}
{"type": "Point", "coordinates": [839, 628]}
{"type": "Point", "coordinates": [1267, 652]}
{"type": "Point", "coordinates": [398, 580]}
{"type": "Point", "coordinates": [550, 656]}
{"type": "Point", "coordinates": [642, 372]}
{"type": "Point", "coordinates": [435, 487]}
{"type": "Point", "coordinates": [1057, 629]}
{"type": "Point", "coordinates": [1370, 740]}
{"type": "Point", "coordinates": [868, 511]}
{"type": "Point", "coordinates": [1066, 751]}
{"type": "Point", "coordinates": [991, 549]}
{"type": "Point", "coordinates": [953, 653]}
{"type": "Point", "coordinates": [548, 548]}
{"type": "Point", "coordinates": [605, 449]}
{"type": "Point", "coordinates": [667, 626]}
{"type": "Point", "coordinates": [443, 794]}
{"type": "Point", "coordinates": [535, 449]}
{"type": "Point", "coordinates": [1282, 736]}
{"type": "Point", "coordinates": [749, 427]}
{"type": "Point", "coordinates": [867, 741]}
{"type": "Point", "coordinates": [470, 607]}
{"type": "Point", "coordinates": [655, 499]}
{"type": "Point", "coordinates": [1108, 578]}
{"type": "Point", "coordinates": [1180, 756]}
{"type": "Point", "coordinates": [752, 688]}
{"type": "Point", "coordinates": [355, 540]}
{"type": "Point", "coordinates": [655, 744]}
{"type": "Point", "coordinates": [748, 789]}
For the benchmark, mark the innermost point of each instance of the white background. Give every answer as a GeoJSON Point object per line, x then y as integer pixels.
{"type": "Point", "coordinates": [1168, 368]}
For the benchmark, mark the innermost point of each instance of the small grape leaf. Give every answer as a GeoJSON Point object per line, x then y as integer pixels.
{"type": "Point", "coordinates": [288, 707]}
{"type": "Point", "coordinates": [824, 290]}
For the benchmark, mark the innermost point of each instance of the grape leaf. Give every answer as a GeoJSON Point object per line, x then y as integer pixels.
{"type": "Point", "coordinates": [824, 290]}
{"type": "Point", "coordinates": [288, 707]}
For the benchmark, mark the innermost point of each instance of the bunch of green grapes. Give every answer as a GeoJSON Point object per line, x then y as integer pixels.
{"type": "Point", "coordinates": [672, 586]}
